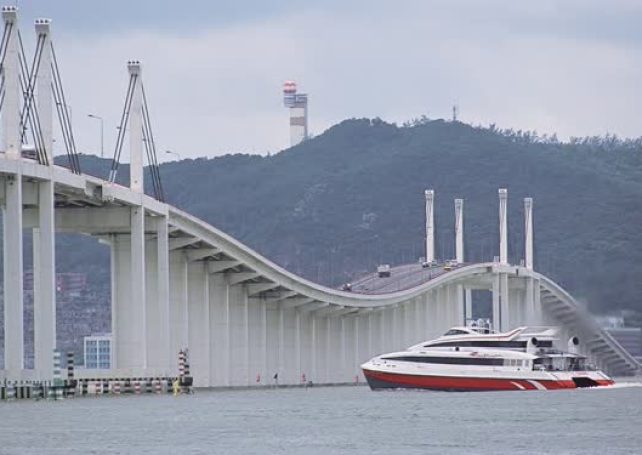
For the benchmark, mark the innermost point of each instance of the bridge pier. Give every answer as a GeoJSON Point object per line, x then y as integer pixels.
{"type": "Point", "coordinates": [468, 304]}
{"type": "Point", "coordinates": [159, 354]}
{"type": "Point", "coordinates": [13, 278]}
{"type": "Point", "coordinates": [44, 281]}
{"type": "Point", "coordinates": [12, 148]}
{"type": "Point", "coordinates": [198, 323]}
{"type": "Point", "coordinates": [128, 340]}
{"type": "Point", "coordinates": [219, 330]}
{"type": "Point", "coordinates": [44, 237]}
{"type": "Point", "coordinates": [178, 326]}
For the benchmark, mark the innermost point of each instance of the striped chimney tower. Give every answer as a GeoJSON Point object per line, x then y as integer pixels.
{"type": "Point", "coordinates": [298, 105]}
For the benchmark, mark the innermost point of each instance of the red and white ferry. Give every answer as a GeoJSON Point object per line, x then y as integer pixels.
{"type": "Point", "coordinates": [477, 359]}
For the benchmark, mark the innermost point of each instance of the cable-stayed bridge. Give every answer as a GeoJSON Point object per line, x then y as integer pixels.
{"type": "Point", "coordinates": [178, 282]}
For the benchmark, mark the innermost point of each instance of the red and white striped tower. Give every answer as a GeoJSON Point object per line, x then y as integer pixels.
{"type": "Point", "coordinates": [298, 105]}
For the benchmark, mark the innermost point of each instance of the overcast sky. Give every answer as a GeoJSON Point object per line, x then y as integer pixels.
{"type": "Point", "coordinates": [213, 70]}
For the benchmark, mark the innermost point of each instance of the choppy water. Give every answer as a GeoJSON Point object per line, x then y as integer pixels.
{"type": "Point", "coordinates": [343, 420]}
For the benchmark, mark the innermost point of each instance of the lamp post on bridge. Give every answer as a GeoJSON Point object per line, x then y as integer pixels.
{"type": "Point", "coordinates": [102, 133]}
{"type": "Point", "coordinates": [170, 152]}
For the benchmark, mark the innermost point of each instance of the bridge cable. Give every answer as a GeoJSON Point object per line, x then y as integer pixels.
{"type": "Point", "coordinates": [148, 151]}
{"type": "Point", "coordinates": [152, 156]}
{"type": "Point", "coordinates": [3, 52]}
{"type": "Point", "coordinates": [5, 43]}
{"type": "Point", "coordinates": [124, 118]}
{"type": "Point", "coordinates": [63, 113]}
{"type": "Point", "coordinates": [30, 110]}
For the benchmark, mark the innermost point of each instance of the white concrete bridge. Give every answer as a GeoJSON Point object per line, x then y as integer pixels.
{"type": "Point", "coordinates": [178, 282]}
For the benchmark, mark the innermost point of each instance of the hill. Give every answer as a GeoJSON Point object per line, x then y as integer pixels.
{"type": "Point", "coordinates": [334, 207]}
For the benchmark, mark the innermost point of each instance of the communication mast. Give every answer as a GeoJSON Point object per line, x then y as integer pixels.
{"type": "Point", "coordinates": [298, 105]}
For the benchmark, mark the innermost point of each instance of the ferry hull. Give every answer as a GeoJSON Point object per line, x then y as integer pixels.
{"type": "Point", "coordinates": [378, 380]}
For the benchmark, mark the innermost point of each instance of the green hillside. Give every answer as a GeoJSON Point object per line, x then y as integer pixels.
{"type": "Point", "coordinates": [336, 206]}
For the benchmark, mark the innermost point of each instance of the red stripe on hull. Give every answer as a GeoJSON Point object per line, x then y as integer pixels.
{"type": "Point", "coordinates": [381, 380]}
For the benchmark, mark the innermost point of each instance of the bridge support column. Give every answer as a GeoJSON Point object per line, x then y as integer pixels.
{"type": "Point", "coordinates": [12, 147]}
{"type": "Point", "coordinates": [330, 358]}
{"type": "Point", "coordinates": [420, 319]}
{"type": "Point", "coordinates": [157, 296]}
{"type": "Point", "coordinates": [407, 324]}
{"type": "Point", "coordinates": [460, 307]}
{"type": "Point", "coordinates": [219, 330]}
{"type": "Point", "coordinates": [177, 306]}
{"type": "Point", "coordinates": [496, 303]}
{"type": "Point", "coordinates": [371, 335]}
{"type": "Point", "coordinates": [289, 361]}
{"type": "Point", "coordinates": [441, 311]}
{"type": "Point", "coordinates": [335, 349]}
{"type": "Point", "coordinates": [468, 297]}
{"type": "Point", "coordinates": [198, 307]}
{"type": "Point", "coordinates": [314, 357]}
{"type": "Point", "coordinates": [128, 297]}
{"type": "Point", "coordinates": [397, 322]}
{"type": "Point", "coordinates": [504, 293]}
{"type": "Point", "coordinates": [239, 333]}
{"type": "Point", "coordinates": [537, 302]}
{"type": "Point", "coordinates": [272, 341]}
{"type": "Point", "coordinates": [297, 344]}
{"type": "Point", "coordinates": [257, 331]}
{"type": "Point", "coordinates": [44, 276]}
{"type": "Point", "coordinates": [281, 361]}
{"type": "Point", "coordinates": [357, 350]}
{"type": "Point", "coordinates": [13, 265]}
{"type": "Point", "coordinates": [430, 315]}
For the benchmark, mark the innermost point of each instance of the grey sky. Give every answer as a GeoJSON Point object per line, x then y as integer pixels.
{"type": "Point", "coordinates": [213, 70]}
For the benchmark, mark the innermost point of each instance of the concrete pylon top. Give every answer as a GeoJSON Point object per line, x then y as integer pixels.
{"type": "Point", "coordinates": [43, 26]}
{"type": "Point", "coordinates": [134, 66]}
{"type": "Point", "coordinates": [10, 14]}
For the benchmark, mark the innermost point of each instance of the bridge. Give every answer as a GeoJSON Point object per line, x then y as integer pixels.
{"type": "Point", "coordinates": [178, 282]}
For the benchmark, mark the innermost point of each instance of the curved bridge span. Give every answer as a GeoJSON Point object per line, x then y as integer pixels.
{"type": "Point", "coordinates": [178, 282]}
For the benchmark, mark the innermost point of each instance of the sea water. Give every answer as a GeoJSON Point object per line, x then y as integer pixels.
{"type": "Point", "coordinates": [331, 420]}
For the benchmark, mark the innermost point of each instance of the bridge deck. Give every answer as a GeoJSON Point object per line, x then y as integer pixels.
{"type": "Point", "coordinates": [402, 277]}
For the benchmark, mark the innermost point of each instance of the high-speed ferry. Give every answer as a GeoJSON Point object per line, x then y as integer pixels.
{"type": "Point", "coordinates": [475, 358]}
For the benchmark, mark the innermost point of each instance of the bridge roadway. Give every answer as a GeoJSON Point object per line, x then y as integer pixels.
{"type": "Point", "coordinates": [401, 277]}
{"type": "Point", "coordinates": [246, 319]}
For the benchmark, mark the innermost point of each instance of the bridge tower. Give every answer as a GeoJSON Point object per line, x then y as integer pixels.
{"type": "Point", "coordinates": [459, 230]}
{"type": "Point", "coordinates": [140, 270]}
{"type": "Point", "coordinates": [12, 148]}
{"type": "Point", "coordinates": [44, 235]}
{"type": "Point", "coordinates": [430, 225]}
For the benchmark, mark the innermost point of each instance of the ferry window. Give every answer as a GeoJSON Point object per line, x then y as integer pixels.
{"type": "Point", "coordinates": [456, 332]}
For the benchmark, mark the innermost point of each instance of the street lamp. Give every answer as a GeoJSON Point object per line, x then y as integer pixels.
{"type": "Point", "coordinates": [178, 157]}
{"type": "Point", "coordinates": [102, 133]}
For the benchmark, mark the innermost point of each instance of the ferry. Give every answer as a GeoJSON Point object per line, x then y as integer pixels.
{"type": "Point", "coordinates": [475, 358]}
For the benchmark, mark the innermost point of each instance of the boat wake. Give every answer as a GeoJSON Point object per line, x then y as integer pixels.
{"type": "Point", "coordinates": [617, 385]}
